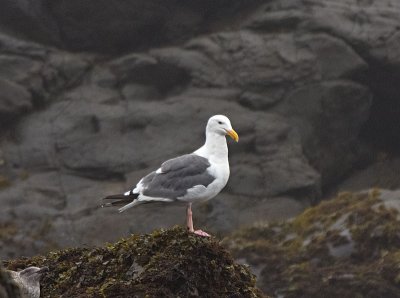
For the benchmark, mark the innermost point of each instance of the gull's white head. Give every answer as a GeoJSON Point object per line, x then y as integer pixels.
{"type": "Point", "coordinates": [220, 124]}
{"type": "Point", "coordinates": [28, 280]}
{"type": "Point", "coordinates": [32, 273]}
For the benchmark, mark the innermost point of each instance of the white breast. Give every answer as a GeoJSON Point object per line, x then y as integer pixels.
{"type": "Point", "coordinates": [200, 193]}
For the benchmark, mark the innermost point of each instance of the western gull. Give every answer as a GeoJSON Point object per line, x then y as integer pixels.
{"type": "Point", "coordinates": [193, 177]}
{"type": "Point", "coordinates": [28, 280]}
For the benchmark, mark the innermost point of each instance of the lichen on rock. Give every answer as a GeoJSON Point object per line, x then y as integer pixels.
{"type": "Point", "coordinates": [166, 263]}
{"type": "Point", "coordinates": [345, 247]}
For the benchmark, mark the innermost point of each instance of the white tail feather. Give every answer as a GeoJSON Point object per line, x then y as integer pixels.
{"type": "Point", "coordinates": [130, 205]}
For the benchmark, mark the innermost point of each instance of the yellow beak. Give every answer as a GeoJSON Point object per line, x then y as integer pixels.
{"type": "Point", "coordinates": [233, 134]}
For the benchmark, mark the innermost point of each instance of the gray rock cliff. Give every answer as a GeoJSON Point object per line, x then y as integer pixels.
{"type": "Point", "coordinates": [94, 95]}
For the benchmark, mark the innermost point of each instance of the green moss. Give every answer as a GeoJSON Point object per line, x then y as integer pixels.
{"type": "Point", "coordinates": [167, 263]}
{"type": "Point", "coordinates": [4, 182]}
{"type": "Point", "coordinates": [345, 247]}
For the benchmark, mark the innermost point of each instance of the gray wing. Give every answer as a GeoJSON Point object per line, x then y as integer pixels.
{"type": "Point", "coordinates": [177, 176]}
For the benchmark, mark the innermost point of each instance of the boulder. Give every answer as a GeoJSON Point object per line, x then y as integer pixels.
{"type": "Point", "coordinates": [344, 247]}
{"type": "Point", "coordinates": [165, 263]}
{"type": "Point", "coordinates": [108, 28]}
{"type": "Point", "coordinates": [14, 100]}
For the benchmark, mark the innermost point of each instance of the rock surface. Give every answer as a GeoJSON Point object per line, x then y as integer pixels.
{"type": "Point", "coordinates": [344, 247]}
{"type": "Point", "coordinates": [120, 26]}
{"type": "Point", "coordinates": [309, 85]}
{"type": "Point", "coordinates": [171, 263]}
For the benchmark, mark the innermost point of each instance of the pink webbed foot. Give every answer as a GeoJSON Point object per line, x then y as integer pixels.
{"type": "Point", "coordinates": [202, 233]}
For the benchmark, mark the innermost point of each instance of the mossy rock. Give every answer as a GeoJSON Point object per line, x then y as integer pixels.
{"type": "Point", "coordinates": [170, 263]}
{"type": "Point", "coordinates": [348, 246]}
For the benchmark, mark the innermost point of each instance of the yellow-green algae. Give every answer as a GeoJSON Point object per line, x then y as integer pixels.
{"type": "Point", "coordinates": [296, 260]}
{"type": "Point", "coordinates": [4, 182]}
{"type": "Point", "coordinates": [166, 263]}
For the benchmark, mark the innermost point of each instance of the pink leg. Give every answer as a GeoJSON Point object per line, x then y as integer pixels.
{"type": "Point", "coordinates": [202, 233]}
{"type": "Point", "coordinates": [189, 222]}
{"type": "Point", "coordinates": [189, 219]}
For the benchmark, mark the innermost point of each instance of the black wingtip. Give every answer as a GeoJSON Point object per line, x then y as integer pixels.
{"type": "Point", "coordinates": [116, 197]}
{"type": "Point", "coordinates": [118, 200]}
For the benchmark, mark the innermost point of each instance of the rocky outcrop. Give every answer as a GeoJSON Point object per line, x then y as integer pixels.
{"type": "Point", "coordinates": [296, 78]}
{"type": "Point", "coordinates": [167, 263]}
{"type": "Point", "coordinates": [121, 26]}
{"type": "Point", "coordinates": [344, 247]}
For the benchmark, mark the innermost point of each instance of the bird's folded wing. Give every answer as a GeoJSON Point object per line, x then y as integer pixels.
{"type": "Point", "coordinates": [176, 176]}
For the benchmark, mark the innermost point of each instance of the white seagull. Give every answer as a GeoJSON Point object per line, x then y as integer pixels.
{"type": "Point", "coordinates": [28, 280]}
{"type": "Point", "coordinates": [194, 177]}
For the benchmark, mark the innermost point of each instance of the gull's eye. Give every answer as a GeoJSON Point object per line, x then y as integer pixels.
{"type": "Point", "coordinates": [219, 122]}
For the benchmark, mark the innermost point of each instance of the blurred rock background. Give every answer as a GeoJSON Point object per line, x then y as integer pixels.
{"type": "Point", "coordinates": [95, 94]}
